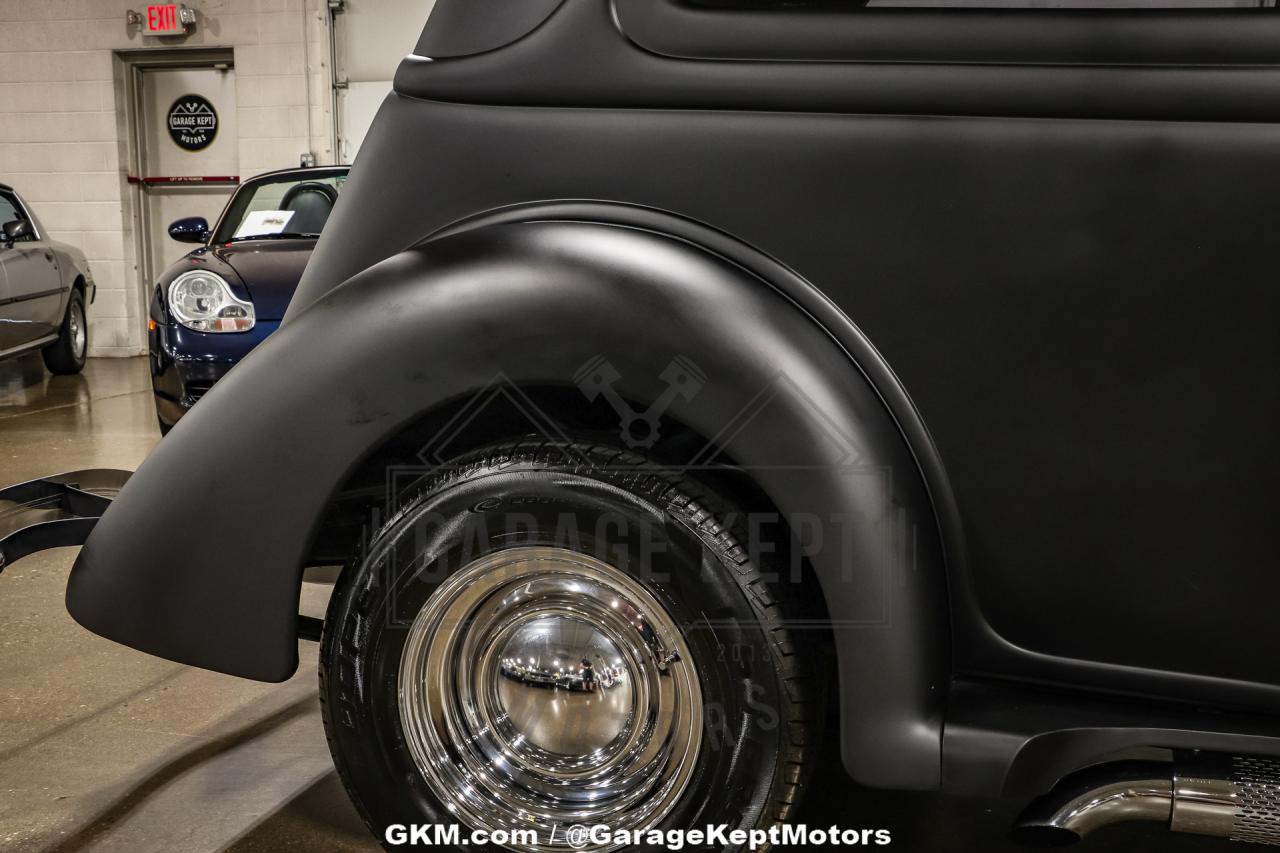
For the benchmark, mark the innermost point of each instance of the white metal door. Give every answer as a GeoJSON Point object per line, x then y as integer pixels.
{"type": "Point", "coordinates": [171, 99]}
{"type": "Point", "coordinates": [370, 39]}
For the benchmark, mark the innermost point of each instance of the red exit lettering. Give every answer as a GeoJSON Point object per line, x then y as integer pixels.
{"type": "Point", "coordinates": [163, 20]}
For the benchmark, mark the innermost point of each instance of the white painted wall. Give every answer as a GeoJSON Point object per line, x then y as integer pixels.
{"type": "Point", "coordinates": [371, 37]}
{"type": "Point", "coordinates": [60, 140]}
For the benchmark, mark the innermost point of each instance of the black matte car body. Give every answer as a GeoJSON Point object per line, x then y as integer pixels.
{"type": "Point", "coordinates": [1001, 277]}
{"type": "Point", "coordinates": [40, 279]}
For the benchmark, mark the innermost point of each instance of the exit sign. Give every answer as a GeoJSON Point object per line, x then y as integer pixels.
{"type": "Point", "coordinates": [166, 20]}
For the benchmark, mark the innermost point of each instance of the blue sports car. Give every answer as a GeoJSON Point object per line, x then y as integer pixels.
{"type": "Point", "coordinates": [221, 300]}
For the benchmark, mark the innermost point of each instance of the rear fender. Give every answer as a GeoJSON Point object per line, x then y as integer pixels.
{"type": "Point", "coordinates": [199, 560]}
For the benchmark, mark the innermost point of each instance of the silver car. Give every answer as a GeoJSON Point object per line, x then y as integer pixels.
{"type": "Point", "coordinates": [44, 288]}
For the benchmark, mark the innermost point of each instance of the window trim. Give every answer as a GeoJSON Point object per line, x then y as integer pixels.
{"type": "Point", "coordinates": [677, 29]}
{"type": "Point", "coordinates": [25, 213]}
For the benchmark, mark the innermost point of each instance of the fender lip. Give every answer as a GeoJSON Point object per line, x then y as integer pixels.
{"type": "Point", "coordinates": [484, 301]}
{"type": "Point", "coordinates": [777, 275]}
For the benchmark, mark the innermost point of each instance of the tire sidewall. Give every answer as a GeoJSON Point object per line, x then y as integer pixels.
{"type": "Point", "coordinates": [61, 356]}
{"type": "Point", "coordinates": [77, 301]}
{"type": "Point", "coordinates": [685, 568]}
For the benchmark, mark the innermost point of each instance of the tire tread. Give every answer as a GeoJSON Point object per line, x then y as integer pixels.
{"type": "Point", "coordinates": [698, 508]}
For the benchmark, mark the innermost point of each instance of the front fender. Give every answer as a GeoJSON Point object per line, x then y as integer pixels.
{"type": "Point", "coordinates": [199, 559]}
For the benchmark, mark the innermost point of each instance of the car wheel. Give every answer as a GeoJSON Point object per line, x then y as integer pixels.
{"type": "Point", "coordinates": [446, 645]}
{"type": "Point", "coordinates": [67, 354]}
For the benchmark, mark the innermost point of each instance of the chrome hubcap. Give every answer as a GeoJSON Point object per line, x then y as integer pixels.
{"type": "Point", "coordinates": [542, 688]}
{"type": "Point", "coordinates": [78, 336]}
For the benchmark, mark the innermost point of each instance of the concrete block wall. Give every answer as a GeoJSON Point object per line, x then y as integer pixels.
{"type": "Point", "coordinates": [60, 134]}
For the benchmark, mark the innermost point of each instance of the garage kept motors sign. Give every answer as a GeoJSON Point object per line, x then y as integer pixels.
{"type": "Point", "coordinates": [193, 122]}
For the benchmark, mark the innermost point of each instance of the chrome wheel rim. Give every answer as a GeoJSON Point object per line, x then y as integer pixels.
{"type": "Point", "coordinates": [541, 688]}
{"type": "Point", "coordinates": [78, 336]}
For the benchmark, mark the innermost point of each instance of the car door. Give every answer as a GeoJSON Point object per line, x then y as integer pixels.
{"type": "Point", "coordinates": [8, 335]}
{"type": "Point", "coordinates": [34, 283]}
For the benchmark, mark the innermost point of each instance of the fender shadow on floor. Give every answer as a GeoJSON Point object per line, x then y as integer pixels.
{"type": "Point", "coordinates": [320, 817]}
{"type": "Point", "coordinates": [99, 826]}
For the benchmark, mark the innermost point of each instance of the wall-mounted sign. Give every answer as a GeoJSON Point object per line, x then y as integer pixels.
{"type": "Point", "coordinates": [193, 122]}
{"type": "Point", "coordinates": [166, 20]}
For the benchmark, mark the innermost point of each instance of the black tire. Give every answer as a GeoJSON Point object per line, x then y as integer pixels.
{"type": "Point", "coordinates": [67, 354]}
{"type": "Point", "coordinates": [757, 749]}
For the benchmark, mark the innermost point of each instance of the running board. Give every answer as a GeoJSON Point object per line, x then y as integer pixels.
{"type": "Point", "coordinates": [55, 511]}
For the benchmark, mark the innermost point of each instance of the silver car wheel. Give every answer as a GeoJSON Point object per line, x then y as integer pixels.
{"type": "Point", "coordinates": [76, 325]}
{"type": "Point", "coordinates": [542, 688]}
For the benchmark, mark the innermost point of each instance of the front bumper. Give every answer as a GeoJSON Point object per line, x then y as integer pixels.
{"type": "Point", "coordinates": [186, 364]}
{"type": "Point", "coordinates": [179, 385]}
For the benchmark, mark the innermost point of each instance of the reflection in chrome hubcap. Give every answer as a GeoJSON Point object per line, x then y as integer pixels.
{"type": "Point", "coordinates": [590, 703]}
{"type": "Point", "coordinates": [542, 688]}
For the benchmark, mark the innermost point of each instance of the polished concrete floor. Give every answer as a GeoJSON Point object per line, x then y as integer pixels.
{"type": "Point", "coordinates": [106, 749]}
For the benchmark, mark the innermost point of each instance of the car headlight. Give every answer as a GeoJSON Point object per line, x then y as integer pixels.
{"type": "Point", "coordinates": [203, 302]}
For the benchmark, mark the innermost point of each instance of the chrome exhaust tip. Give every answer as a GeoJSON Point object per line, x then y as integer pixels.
{"type": "Point", "coordinates": [1222, 796]}
{"type": "Point", "coordinates": [1098, 796]}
